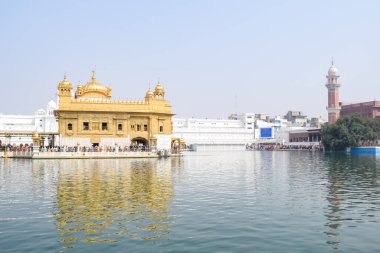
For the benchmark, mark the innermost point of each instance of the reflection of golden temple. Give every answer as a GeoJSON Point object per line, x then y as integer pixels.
{"type": "Point", "coordinates": [113, 200]}
{"type": "Point", "coordinates": [91, 117]}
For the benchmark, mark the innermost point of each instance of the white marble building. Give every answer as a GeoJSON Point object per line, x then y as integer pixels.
{"type": "Point", "coordinates": [216, 134]}
{"type": "Point", "coordinates": [232, 134]}
{"type": "Point", "coordinates": [16, 129]}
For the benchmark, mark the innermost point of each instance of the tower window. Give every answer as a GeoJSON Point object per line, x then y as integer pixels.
{"type": "Point", "coordinates": [161, 129]}
{"type": "Point", "coordinates": [133, 127]}
{"type": "Point", "coordinates": [104, 126]}
{"type": "Point", "coordinates": [145, 127]}
{"type": "Point", "coordinates": [86, 126]}
{"type": "Point", "coordinates": [138, 128]}
{"type": "Point", "coordinates": [120, 127]}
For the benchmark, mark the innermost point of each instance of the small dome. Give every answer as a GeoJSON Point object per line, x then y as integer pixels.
{"type": "Point", "coordinates": [333, 71]}
{"type": "Point", "coordinates": [149, 93]}
{"type": "Point", "coordinates": [65, 81]}
{"type": "Point", "coordinates": [159, 90]}
{"type": "Point", "coordinates": [40, 112]}
{"type": "Point", "coordinates": [52, 105]}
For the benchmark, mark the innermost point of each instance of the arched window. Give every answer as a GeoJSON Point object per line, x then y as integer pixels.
{"type": "Point", "coordinates": [70, 126]}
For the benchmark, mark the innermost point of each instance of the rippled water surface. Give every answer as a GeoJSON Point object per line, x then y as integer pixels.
{"type": "Point", "coordinates": [202, 202]}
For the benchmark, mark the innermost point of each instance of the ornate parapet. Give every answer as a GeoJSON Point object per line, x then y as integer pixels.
{"type": "Point", "coordinates": [108, 101]}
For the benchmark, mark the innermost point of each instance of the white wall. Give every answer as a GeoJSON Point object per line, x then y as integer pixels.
{"type": "Point", "coordinates": [163, 141]}
{"type": "Point", "coordinates": [121, 142]}
{"type": "Point", "coordinates": [43, 121]}
{"type": "Point", "coordinates": [215, 133]}
{"type": "Point", "coordinates": [73, 142]}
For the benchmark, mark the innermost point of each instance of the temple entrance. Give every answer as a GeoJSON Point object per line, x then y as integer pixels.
{"type": "Point", "coordinates": [139, 143]}
{"type": "Point", "coordinates": [175, 146]}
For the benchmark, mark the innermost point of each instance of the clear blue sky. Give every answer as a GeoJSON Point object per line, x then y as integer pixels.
{"type": "Point", "coordinates": [273, 55]}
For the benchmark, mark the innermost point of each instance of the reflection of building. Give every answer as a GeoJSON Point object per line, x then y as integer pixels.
{"type": "Point", "coordinates": [216, 134]}
{"type": "Point", "coordinates": [113, 200]}
{"type": "Point", "coordinates": [334, 210]}
{"type": "Point", "coordinates": [92, 118]}
{"type": "Point", "coordinates": [367, 109]}
{"type": "Point", "coordinates": [18, 129]}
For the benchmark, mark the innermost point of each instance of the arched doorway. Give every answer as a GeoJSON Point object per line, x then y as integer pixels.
{"type": "Point", "coordinates": [139, 143]}
{"type": "Point", "coordinates": [175, 146]}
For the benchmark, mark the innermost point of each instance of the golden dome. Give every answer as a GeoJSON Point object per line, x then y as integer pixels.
{"type": "Point", "coordinates": [159, 90]}
{"type": "Point", "coordinates": [65, 81]}
{"type": "Point", "coordinates": [93, 89]}
{"type": "Point", "coordinates": [93, 84]}
{"type": "Point", "coordinates": [149, 94]}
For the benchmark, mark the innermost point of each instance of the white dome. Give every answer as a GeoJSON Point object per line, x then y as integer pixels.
{"type": "Point", "coordinates": [333, 71]}
{"type": "Point", "coordinates": [40, 112]}
{"type": "Point", "coordinates": [52, 105]}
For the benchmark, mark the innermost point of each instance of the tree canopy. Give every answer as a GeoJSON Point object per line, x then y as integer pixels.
{"type": "Point", "coordinates": [350, 131]}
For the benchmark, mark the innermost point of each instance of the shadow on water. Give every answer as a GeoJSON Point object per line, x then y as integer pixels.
{"type": "Point", "coordinates": [108, 201]}
{"type": "Point", "coordinates": [352, 192]}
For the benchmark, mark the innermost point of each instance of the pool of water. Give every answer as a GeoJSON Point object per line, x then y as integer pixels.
{"type": "Point", "coordinates": [252, 201]}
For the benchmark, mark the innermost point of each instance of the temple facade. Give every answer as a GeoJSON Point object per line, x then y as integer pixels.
{"type": "Point", "coordinates": [90, 117]}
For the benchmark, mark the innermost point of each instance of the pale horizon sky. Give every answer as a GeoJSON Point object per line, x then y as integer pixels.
{"type": "Point", "coordinates": [272, 55]}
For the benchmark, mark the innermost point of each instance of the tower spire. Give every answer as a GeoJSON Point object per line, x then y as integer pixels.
{"type": "Point", "coordinates": [333, 85]}
{"type": "Point", "coordinates": [93, 75]}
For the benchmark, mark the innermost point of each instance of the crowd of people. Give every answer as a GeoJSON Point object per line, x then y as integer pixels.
{"type": "Point", "coordinates": [16, 148]}
{"type": "Point", "coordinates": [278, 146]}
{"type": "Point", "coordinates": [29, 148]}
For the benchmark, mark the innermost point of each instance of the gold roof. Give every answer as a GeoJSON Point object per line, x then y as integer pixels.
{"type": "Point", "coordinates": [93, 89]}
{"type": "Point", "coordinates": [95, 84]}
{"type": "Point", "coordinates": [159, 87]}
{"type": "Point", "coordinates": [149, 93]}
{"type": "Point", "coordinates": [159, 90]}
{"type": "Point", "coordinates": [65, 81]}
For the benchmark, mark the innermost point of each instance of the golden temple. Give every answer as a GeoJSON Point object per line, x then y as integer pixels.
{"type": "Point", "coordinates": [91, 117]}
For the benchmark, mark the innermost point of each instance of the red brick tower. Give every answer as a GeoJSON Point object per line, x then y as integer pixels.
{"type": "Point", "coordinates": [333, 107]}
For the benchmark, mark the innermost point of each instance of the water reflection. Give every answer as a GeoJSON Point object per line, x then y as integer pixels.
{"type": "Point", "coordinates": [353, 184]}
{"type": "Point", "coordinates": [112, 200]}
{"type": "Point", "coordinates": [231, 202]}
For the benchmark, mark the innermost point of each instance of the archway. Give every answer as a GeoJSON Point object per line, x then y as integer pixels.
{"type": "Point", "coordinates": [175, 146]}
{"type": "Point", "coordinates": [139, 143]}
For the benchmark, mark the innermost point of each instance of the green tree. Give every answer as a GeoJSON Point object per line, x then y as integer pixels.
{"type": "Point", "coordinates": [350, 131]}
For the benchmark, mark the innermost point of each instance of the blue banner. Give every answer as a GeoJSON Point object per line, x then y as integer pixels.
{"type": "Point", "coordinates": [266, 132]}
